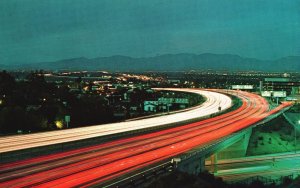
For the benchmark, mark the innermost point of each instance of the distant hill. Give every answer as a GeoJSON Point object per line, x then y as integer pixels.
{"type": "Point", "coordinates": [170, 62]}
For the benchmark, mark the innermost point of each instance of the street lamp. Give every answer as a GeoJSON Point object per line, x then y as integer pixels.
{"type": "Point", "coordinates": [175, 162]}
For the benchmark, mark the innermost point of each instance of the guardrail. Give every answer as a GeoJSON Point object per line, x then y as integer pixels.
{"type": "Point", "coordinates": [143, 176]}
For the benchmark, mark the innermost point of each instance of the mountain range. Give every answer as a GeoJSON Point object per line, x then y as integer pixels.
{"type": "Point", "coordinates": [168, 62]}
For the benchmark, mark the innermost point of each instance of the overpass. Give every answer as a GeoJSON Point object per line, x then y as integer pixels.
{"type": "Point", "coordinates": [97, 164]}
{"type": "Point", "coordinates": [195, 160]}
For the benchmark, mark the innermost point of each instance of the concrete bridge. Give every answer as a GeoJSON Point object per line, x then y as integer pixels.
{"type": "Point", "coordinates": [193, 161]}
{"type": "Point", "coordinates": [183, 148]}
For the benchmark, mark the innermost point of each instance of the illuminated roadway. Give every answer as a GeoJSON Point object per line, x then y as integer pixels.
{"type": "Point", "coordinates": [96, 164]}
{"type": "Point", "coordinates": [210, 106]}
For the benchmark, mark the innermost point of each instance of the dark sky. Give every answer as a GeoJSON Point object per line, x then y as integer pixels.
{"type": "Point", "coordinates": [48, 30]}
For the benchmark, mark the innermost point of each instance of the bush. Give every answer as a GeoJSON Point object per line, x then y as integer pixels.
{"type": "Point", "coordinates": [257, 184]}
{"type": "Point", "coordinates": [286, 181]}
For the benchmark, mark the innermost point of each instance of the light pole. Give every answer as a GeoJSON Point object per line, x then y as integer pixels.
{"type": "Point", "coordinates": [295, 138]}
{"type": "Point", "coordinates": [295, 127]}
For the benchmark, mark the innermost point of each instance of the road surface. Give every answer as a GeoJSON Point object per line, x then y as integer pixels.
{"type": "Point", "coordinates": [93, 165]}
{"type": "Point", "coordinates": [210, 106]}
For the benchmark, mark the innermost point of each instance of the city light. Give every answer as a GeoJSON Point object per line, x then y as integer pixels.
{"type": "Point", "coordinates": [59, 124]}
{"type": "Point", "coordinates": [149, 94]}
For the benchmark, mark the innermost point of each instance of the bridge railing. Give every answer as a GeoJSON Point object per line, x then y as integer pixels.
{"type": "Point", "coordinates": [144, 175]}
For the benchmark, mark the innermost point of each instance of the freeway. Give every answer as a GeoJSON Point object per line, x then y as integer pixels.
{"type": "Point", "coordinates": [96, 164]}
{"type": "Point", "coordinates": [210, 106]}
{"type": "Point", "coordinates": [273, 166]}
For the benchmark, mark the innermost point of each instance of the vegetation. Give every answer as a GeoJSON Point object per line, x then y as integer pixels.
{"type": "Point", "coordinates": [35, 105]}
{"type": "Point", "coordinates": [273, 137]}
{"type": "Point", "coordinates": [206, 180]}
{"type": "Point", "coordinates": [181, 179]}
{"type": "Point", "coordinates": [295, 108]}
{"type": "Point", "coordinates": [32, 104]}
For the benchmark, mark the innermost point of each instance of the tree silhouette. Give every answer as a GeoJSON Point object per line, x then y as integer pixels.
{"type": "Point", "coordinates": [7, 83]}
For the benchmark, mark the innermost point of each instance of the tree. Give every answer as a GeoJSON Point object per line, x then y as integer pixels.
{"type": "Point", "coordinates": [37, 89]}
{"type": "Point", "coordinates": [90, 110]}
{"type": "Point", "coordinates": [52, 112]}
{"type": "Point", "coordinates": [12, 119]}
{"type": "Point", "coordinates": [7, 83]}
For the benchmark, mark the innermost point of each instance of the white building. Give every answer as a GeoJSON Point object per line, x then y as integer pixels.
{"type": "Point", "coordinates": [150, 106]}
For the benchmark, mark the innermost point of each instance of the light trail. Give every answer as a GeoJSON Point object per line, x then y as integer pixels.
{"type": "Point", "coordinates": [83, 167]}
{"type": "Point", "coordinates": [210, 106]}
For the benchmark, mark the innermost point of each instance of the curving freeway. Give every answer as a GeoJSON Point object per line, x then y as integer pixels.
{"type": "Point", "coordinates": [93, 165]}
{"type": "Point", "coordinates": [210, 106]}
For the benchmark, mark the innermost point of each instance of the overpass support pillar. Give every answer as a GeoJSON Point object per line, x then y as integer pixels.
{"type": "Point", "coordinates": [214, 163]}
{"type": "Point", "coordinates": [237, 149]}
{"type": "Point", "coordinates": [193, 165]}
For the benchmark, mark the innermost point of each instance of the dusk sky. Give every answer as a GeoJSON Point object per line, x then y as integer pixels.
{"type": "Point", "coordinates": [50, 30]}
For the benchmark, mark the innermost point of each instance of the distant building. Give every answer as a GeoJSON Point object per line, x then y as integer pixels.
{"type": "Point", "coordinates": [242, 87]}
{"type": "Point", "coordinates": [281, 84]}
{"type": "Point", "coordinates": [164, 103]}
{"type": "Point", "coordinates": [167, 100]}
{"type": "Point", "coordinates": [33, 107]}
{"type": "Point", "coordinates": [174, 81]}
{"type": "Point", "coordinates": [295, 90]}
{"type": "Point", "coordinates": [150, 106]}
{"type": "Point", "coordinates": [133, 108]}
{"type": "Point", "coordinates": [295, 95]}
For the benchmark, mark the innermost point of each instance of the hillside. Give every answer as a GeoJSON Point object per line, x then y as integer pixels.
{"type": "Point", "coordinates": [169, 62]}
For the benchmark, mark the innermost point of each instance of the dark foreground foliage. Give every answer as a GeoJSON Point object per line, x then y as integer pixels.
{"type": "Point", "coordinates": [32, 105]}
{"type": "Point", "coordinates": [207, 180]}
